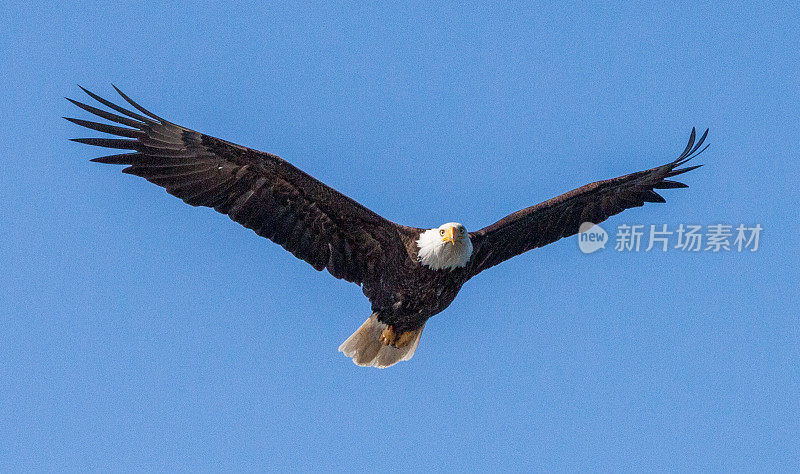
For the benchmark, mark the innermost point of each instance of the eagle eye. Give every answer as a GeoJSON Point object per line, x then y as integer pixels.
{"type": "Point", "coordinates": [441, 232]}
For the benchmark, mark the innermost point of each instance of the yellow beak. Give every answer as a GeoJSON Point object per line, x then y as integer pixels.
{"type": "Point", "coordinates": [449, 235]}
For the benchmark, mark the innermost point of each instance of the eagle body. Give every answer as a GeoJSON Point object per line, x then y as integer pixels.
{"type": "Point", "coordinates": [416, 293]}
{"type": "Point", "coordinates": [408, 273]}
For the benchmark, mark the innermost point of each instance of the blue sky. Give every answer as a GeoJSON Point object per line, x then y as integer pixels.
{"type": "Point", "coordinates": [141, 333]}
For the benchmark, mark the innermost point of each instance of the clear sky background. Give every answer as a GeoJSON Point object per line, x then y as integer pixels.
{"type": "Point", "coordinates": [141, 333]}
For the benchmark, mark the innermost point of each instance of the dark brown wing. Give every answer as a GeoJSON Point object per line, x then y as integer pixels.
{"type": "Point", "coordinates": [561, 216]}
{"type": "Point", "coordinates": [258, 190]}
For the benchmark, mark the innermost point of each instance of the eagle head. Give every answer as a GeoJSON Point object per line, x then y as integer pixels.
{"type": "Point", "coordinates": [445, 247]}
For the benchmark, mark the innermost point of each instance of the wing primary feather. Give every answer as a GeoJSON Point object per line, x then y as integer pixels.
{"type": "Point", "coordinates": [701, 151]}
{"type": "Point", "coordinates": [121, 159]}
{"type": "Point", "coordinates": [699, 142]}
{"type": "Point", "coordinates": [688, 146]}
{"type": "Point", "coordinates": [667, 184]}
{"type": "Point", "coordinates": [106, 128]}
{"type": "Point", "coordinates": [107, 115]}
{"type": "Point", "coordinates": [651, 196]}
{"type": "Point", "coordinates": [162, 154]}
{"type": "Point", "coordinates": [119, 143]}
{"type": "Point", "coordinates": [137, 106]}
{"type": "Point", "coordinates": [693, 153]}
{"type": "Point", "coordinates": [116, 107]}
{"type": "Point", "coordinates": [172, 170]}
{"type": "Point", "coordinates": [146, 160]}
{"type": "Point", "coordinates": [682, 170]}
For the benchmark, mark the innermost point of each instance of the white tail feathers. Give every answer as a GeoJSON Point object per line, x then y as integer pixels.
{"type": "Point", "coordinates": [366, 348]}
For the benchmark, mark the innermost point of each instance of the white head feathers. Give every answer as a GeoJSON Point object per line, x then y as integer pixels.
{"type": "Point", "coordinates": [445, 247]}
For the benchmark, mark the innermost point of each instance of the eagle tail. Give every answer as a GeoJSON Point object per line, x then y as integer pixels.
{"type": "Point", "coordinates": [367, 350]}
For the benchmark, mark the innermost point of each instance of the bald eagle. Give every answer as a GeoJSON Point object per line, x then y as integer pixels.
{"type": "Point", "coordinates": [408, 274]}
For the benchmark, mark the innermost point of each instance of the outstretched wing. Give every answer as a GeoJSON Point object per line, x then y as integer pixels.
{"type": "Point", "coordinates": [258, 190]}
{"type": "Point", "coordinates": [561, 216]}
